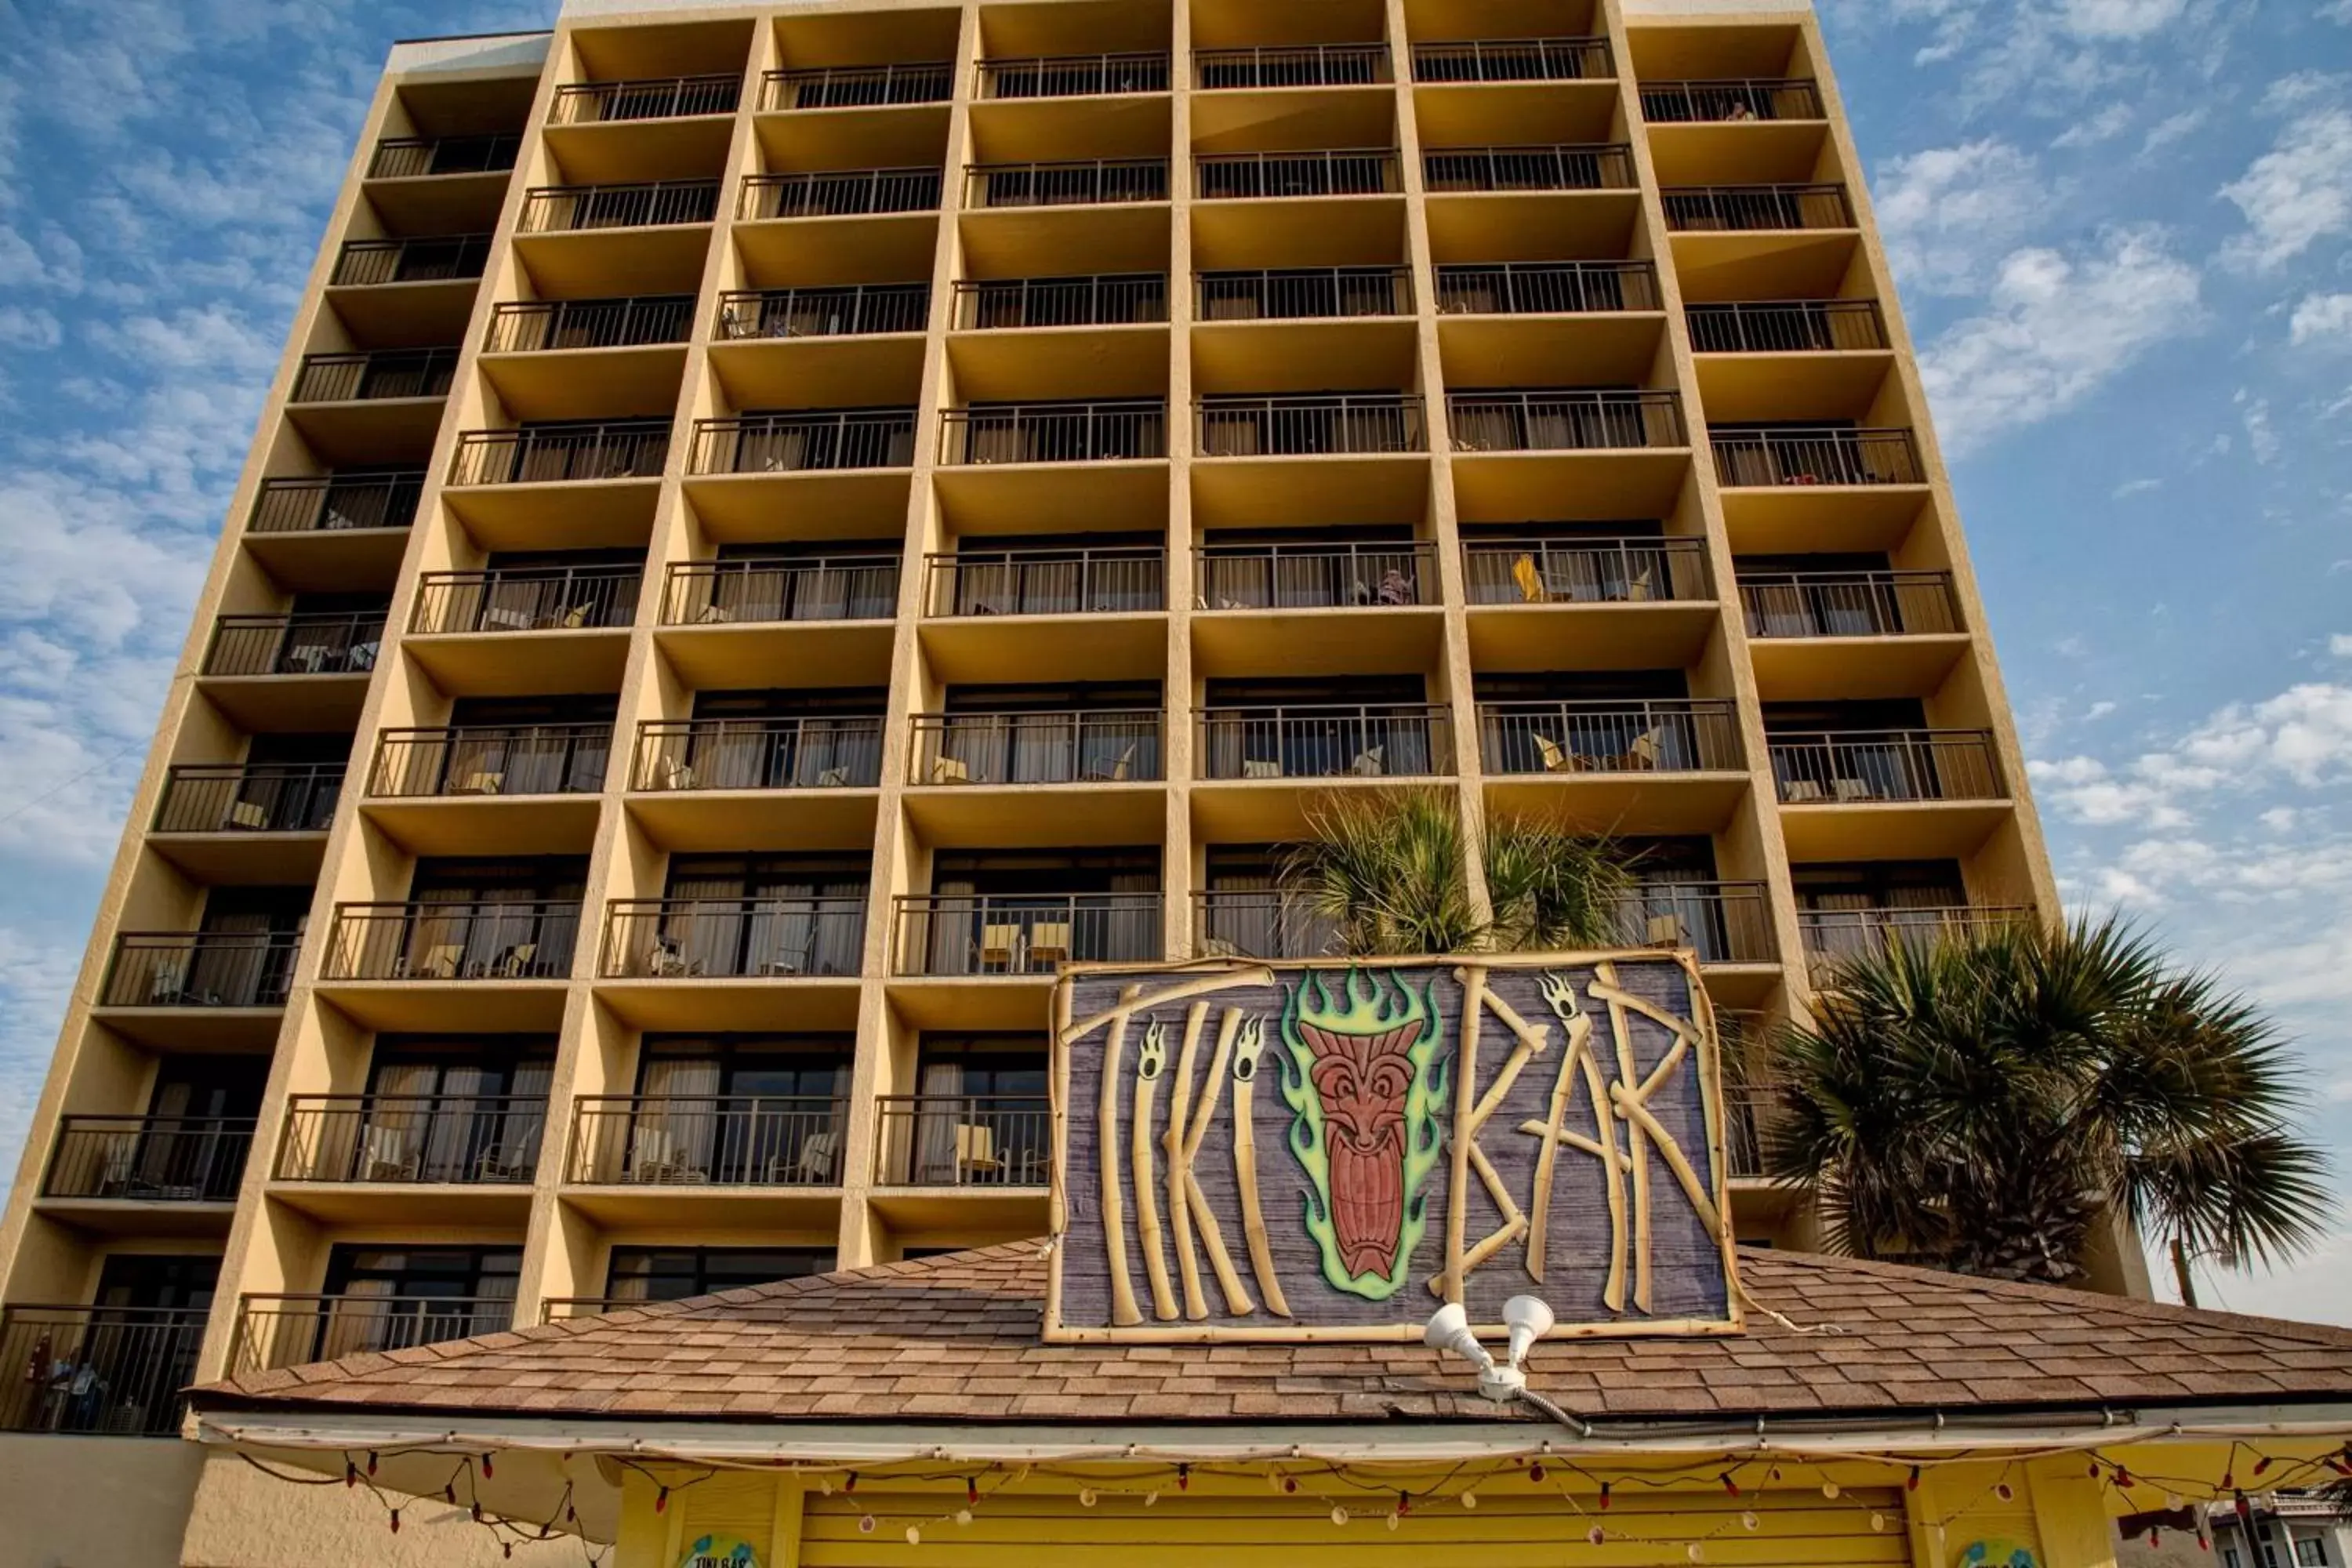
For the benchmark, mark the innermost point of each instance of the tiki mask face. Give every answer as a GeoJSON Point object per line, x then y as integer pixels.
{"type": "Point", "coordinates": [1362, 1082]}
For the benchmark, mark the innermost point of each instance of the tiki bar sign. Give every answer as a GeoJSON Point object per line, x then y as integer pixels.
{"type": "Point", "coordinates": [1331, 1151]}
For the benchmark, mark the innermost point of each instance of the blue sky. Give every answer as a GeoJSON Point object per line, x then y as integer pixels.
{"type": "Point", "coordinates": [2124, 234]}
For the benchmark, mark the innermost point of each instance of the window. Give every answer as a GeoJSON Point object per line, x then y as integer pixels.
{"type": "Point", "coordinates": [2311, 1552]}
{"type": "Point", "coordinates": [674, 1273]}
{"type": "Point", "coordinates": [2229, 1558]}
{"type": "Point", "coordinates": [391, 1298]}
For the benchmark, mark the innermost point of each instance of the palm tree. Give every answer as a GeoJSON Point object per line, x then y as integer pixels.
{"type": "Point", "coordinates": [1978, 1102]}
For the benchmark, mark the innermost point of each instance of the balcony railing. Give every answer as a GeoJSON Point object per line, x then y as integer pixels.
{"type": "Point", "coordinates": [963, 1140]}
{"type": "Point", "coordinates": [1312, 423]}
{"type": "Point", "coordinates": [1108, 299]}
{"type": "Point", "coordinates": [1849, 604]}
{"type": "Point", "coordinates": [1075, 75]}
{"type": "Point", "coordinates": [1024, 933]}
{"type": "Point", "coordinates": [645, 204]}
{"type": "Point", "coordinates": [116, 1370]}
{"type": "Point", "coordinates": [1669, 735]}
{"type": "Point", "coordinates": [372, 377]}
{"type": "Point", "coordinates": [1546, 288]}
{"type": "Point", "coordinates": [200, 968]}
{"type": "Point", "coordinates": [1304, 293]}
{"type": "Point", "coordinates": [1761, 98]}
{"type": "Point", "coordinates": [488, 940]}
{"type": "Point", "coordinates": [803, 442]}
{"type": "Point", "coordinates": [797, 589]}
{"type": "Point", "coordinates": [799, 753]}
{"type": "Point", "coordinates": [855, 310]}
{"type": "Point", "coordinates": [623, 449]}
{"type": "Point", "coordinates": [149, 1159]}
{"type": "Point", "coordinates": [1327, 741]}
{"type": "Point", "coordinates": [769, 936]}
{"type": "Point", "coordinates": [1786, 326]}
{"type": "Point", "coordinates": [276, 1330]}
{"type": "Point", "coordinates": [1569, 419]}
{"type": "Point", "coordinates": [1833, 937]}
{"type": "Point", "coordinates": [726, 1141]}
{"type": "Point", "coordinates": [1701, 208]}
{"type": "Point", "coordinates": [1307, 65]}
{"type": "Point", "coordinates": [328, 504]}
{"type": "Point", "coordinates": [407, 157]}
{"type": "Point", "coordinates": [1093, 745]}
{"type": "Point", "coordinates": [343, 644]}
{"type": "Point", "coordinates": [1267, 922]}
{"type": "Point", "coordinates": [529, 326]}
{"type": "Point", "coordinates": [249, 797]}
{"type": "Point", "coordinates": [1039, 582]}
{"type": "Point", "coordinates": [1082, 183]}
{"type": "Point", "coordinates": [489, 1138]}
{"type": "Point", "coordinates": [856, 87]}
{"type": "Point", "coordinates": [1513, 59]}
{"type": "Point", "coordinates": [491, 759]}
{"type": "Point", "coordinates": [652, 98]}
{"type": "Point", "coordinates": [838, 193]}
{"type": "Point", "coordinates": [1584, 571]}
{"type": "Point", "coordinates": [1889, 765]}
{"type": "Point", "coordinates": [526, 599]}
{"type": "Point", "coordinates": [1346, 171]}
{"type": "Point", "coordinates": [1723, 922]}
{"type": "Point", "coordinates": [1599, 166]}
{"type": "Point", "coordinates": [363, 263]}
{"type": "Point", "coordinates": [1054, 432]}
{"type": "Point", "coordinates": [1339, 574]}
{"type": "Point", "coordinates": [1746, 457]}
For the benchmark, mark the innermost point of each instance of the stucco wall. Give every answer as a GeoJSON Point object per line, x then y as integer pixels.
{"type": "Point", "coordinates": [244, 1519]}
{"type": "Point", "coordinates": [94, 1502]}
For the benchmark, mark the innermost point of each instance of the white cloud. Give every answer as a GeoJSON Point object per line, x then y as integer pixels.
{"type": "Point", "coordinates": [2321, 316]}
{"type": "Point", "coordinates": [2131, 488]}
{"type": "Point", "coordinates": [1948, 214]}
{"type": "Point", "coordinates": [2175, 128]}
{"type": "Point", "coordinates": [2262, 440]}
{"type": "Point", "coordinates": [2118, 18]}
{"type": "Point", "coordinates": [2297, 193]}
{"type": "Point", "coordinates": [2090, 129]}
{"type": "Point", "coordinates": [2340, 645]}
{"type": "Point", "coordinates": [36, 328]}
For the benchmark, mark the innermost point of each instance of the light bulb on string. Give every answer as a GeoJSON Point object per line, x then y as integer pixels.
{"type": "Point", "coordinates": [963, 1515]}
{"type": "Point", "coordinates": [1830, 1490]}
{"type": "Point", "coordinates": [866, 1524]}
{"type": "Point", "coordinates": [1596, 1535]}
{"type": "Point", "coordinates": [914, 1535]}
{"type": "Point", "coordinates": [1911, 1482]}
{"type": "Point", "coordinates": [1085, 1497]}
{"type": "Point", "coordinates": [1338, 1514]}
{"type": "Point", "coordinates": [1749, 1520]}
{"type": "Point", "coordinates": [1469, 1500]}
{"type": "Point", "coordinates": [1604, 1497]}
{"type": "Point", "coordinates": [1878, 1522]}
{"type": "Point", "coordinates": [2004, 1491]}
{"type": "Point", "coordinates": [487, 1471]}
{"type": "Point", "coordinates": [395, 1522]}
{"type": "Point", "coordinates": [1696, 1552]}
{"type": "Point", "coordinates": [1152, 1497]}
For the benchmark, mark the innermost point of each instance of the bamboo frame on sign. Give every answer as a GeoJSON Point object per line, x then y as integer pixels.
{"type": "Point", "coordinates": [1261, 1247]}
{"type": "Point", "coordinates": [1148, 1063]}
{"type": "Point", "coordinates": [1123, 1309]}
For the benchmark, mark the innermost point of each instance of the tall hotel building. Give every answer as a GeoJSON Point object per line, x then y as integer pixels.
{"type": "Point", "coordinates": [778, 525]}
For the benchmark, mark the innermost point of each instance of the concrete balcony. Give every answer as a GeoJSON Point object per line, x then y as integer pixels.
{"type": "Point", "coordinates": [279, 1331]}
{"type": "Point", "coordinates": [247, 822]}
{"type": "Point", "coordinates": [195, 989]}
{"type": "Point", "coordinates": [1662, 766]}
{"type": "Point", "coordinates": [136, 1360]}
{"type": "Point", "coordinates": [1642, 603]}
{"type": "Point", "coordinates": [731, 624]}
{"type": "Point", "coordinates": [1834, 936]}
{"type": "Point", "coordinates": [1903, 794]}
{"type": "Point", "coordinates": [489, 789]}
{"type": "Point", "coordinates": [1835, 635]}
{"type": "Point", "coordinates": [345, 1158]}
{"type": "Point", "coordinates": [775, 783]}
{"type": "Point", "coordinates": [150, 1173]}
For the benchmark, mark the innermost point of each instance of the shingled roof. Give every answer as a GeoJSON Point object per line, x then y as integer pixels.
{"type": "Point", "coordinates": [954, 1339]}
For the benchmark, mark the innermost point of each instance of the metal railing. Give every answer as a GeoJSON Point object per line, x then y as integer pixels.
{"type": "Point", "coordinates": [1886, 764]}
{"type": "Point", "coordinates": [1023, 933]}
{"type": "Point", "coordinates": [1269, 922]}
{"type": "Point", "coordinates": [1075, 75]}
{"type": "Point", "coordinates": [1759, 98]}
{"type": "Point", "coordinates": [529, 326]}
{"type": "Point", "coordinates": [116, 1370]}
{"type": "Point", "coordinates": [772, 936]}
{"type": "Point", "coordinates": [278, 1330]}
{"type": "Point", "coordinates": [526, 599]}
{"type": "Point", "coordinates": [1849, 604]}
{"type": "Point", "coordinates": [789, 752]}
{"type": "Point", "coordinates": [484, 940]}
{"type": "Point", "coordinates": [1569, 419]}
{"type": "Point", "coordinates": [625, 448]}
{"type": "Point", "coordinates": [649, 97]}
{"type": "Point", "coordinates": [1104, 300]}
{"type": "Point", "coordinates": [1745, 457]}
{"type": "Point", "coordinates": [407, 157]}
{"type": "Point", "coordinates": [1081, 183]}
{"type": "Point", "coordinates": [371, 376]}
{"type": "Point", "coordinates": [963, 1140]}
{"type": "Point", "coordinates": [726, 1141]}
{"type": "Point", "coordinates": [363, 263]}
{"type": "Point", "coordinates": [200, 968]}
{"type": "Point", "coordinates": [643, 204]}
{"type": "Point", "coordinates": [1725, 207]}
{"type": "Point", "coordinates": [1513, 59]}
{"type": "Point", "coordinates": [333, 644]}
{"type": "Point", "coordinates": [1597, 166]}
{"type": "Point", "coordinates": [853, 310]}
{"type": "Point", "coordinates": [1296, 293]}
{"type": "Point", "coordinates": [1584, 571]}
{"type": "Point", "coordinates": [563, 1308]}
{"type": "Point", "coordinates": [328, 503]}
{"type": "Point", "coordinates": [1292, 65]}
{"type": "Point", "coordinates": [1092, 745]}
{"type": "Point", "coordinates": [1053, 432]}
{"type": "Point", "coordinates": [1043, 582]}
{"type": "Point", "coordinates": [1666, 735]}
{"type": "Point", "coordinates": [1786, 326]}
{"type": "Point", "coordinates": [1327, 741]}
{"type": "Point", "coordinates": [1308, 424]}
{"type": "Point", "coordinates": [149, 1159]}
{"type": "Point", "coordinates": [1723, 922]}
{"type": "Point", "coordinates": [1334, 575]}
{"type": "Point", "coordinates": [1342, 172]}
{"type": "Point", "coordinates": [856, 87]}
{"type": "Point", "coordinates": [1546, 288]}
{"type": "Point", "coordinates": [794, 589]}
{"type": "Point", "coordinates": [491, 759]}
{"type": "Point", "coordinates": [802, 442]}
{"type": "Point", "coordinates": [249, 797]}
{"type": "Point", "coordinates": [1833, 937]}
{"type": "Point", "coordinates": [838, 193]}
{"type": "Point", "coordinates": [490, 1139]}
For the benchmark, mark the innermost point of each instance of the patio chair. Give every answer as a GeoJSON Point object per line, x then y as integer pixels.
{"type": "Point", "coordinates": [950, 770]}
{"type": "Point", "coordinates": [1260, 770]}
{"type": "Point", "coordinates": [1668, 931]}
{"type": "Point", "coordinates": [500, 1164]}
{"type": "Point", "coordinates": [384, 1155]}
{"type": "Point", "coordinates": [1049, 942]}
{"type": "Point", "coordinates": [481, 783]}
{"type": "Point", "coordinates": [1642, 755]}
{"type": "Point", "coordinates": [440, 962]}
{"type": "Point", "coordinates": [1001, 945]}
{"type": "Point", "coordinates": [1114, 772]}
{"type": "Point", "coordinates": [976, 1151]}
{"type": "Point", "coordinates": [677, 776]}
{"type": "Point", "coordinates": [516, 962]}
{"type": "Point", "coordinates": [250, 813]}
{"type": "Point", "coordinates": [1370, 763]}
{"type": "Point", "coordinates": [812, 1166]}
{"type": "Point", "coordinates": [1555, 760]}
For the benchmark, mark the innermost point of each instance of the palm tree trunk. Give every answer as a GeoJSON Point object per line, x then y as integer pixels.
{"type": "Point", "coordinates": [2180, 1273]}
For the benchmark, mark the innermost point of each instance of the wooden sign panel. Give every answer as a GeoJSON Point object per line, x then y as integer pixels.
{"type": "Point", "coordinates": [1332, 1150]}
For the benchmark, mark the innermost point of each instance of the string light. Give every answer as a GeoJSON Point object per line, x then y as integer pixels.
{"type": "Point", "coordinates": [1338, 1514]}
{"type": "Point", "coordinates": [1604, 1497]}
{"type": "Point", "coordinates": [487, 1471]}
{"type": "Point", "coordinates": [1911, 1484]}
{"type": "Point", "coordinates": [1468, 1498]}
{"type": "Point", "coordinates": [1596, 1535]}
{"type": "Point", "coordinates": [866, 1525]}
{"type": "Point", "coordinates": [1183, 1478]}
{"type": "Point", "coordinates": [1730, 1484]}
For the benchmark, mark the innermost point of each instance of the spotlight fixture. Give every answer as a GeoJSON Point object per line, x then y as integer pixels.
{"type": "Point", "coordinates": [1528, 1320]}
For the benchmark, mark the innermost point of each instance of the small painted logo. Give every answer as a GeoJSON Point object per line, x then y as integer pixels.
{"type": "Point", "coordinates": [719, 1551]}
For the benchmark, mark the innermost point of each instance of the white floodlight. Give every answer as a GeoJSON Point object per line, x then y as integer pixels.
{"type": "Point", "coordinates": [1449, 1330]}
{"type": "Point", "coordinates": [1529, 1319]}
